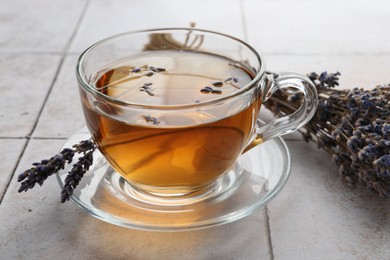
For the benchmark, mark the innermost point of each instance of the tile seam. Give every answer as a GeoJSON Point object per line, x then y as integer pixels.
{"type": "Point", "coordinates": [268, 234]}
{"type": "Point", "coordinates": [243, 20]}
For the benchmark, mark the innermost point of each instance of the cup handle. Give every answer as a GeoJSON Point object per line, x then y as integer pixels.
{"type": "Point", "coordinates": [294, 121]}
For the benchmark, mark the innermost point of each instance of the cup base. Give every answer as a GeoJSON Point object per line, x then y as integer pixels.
{"type": "Point", "coordinates": [224, 185]}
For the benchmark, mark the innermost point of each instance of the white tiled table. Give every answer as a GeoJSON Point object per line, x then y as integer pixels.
{"type": "Point", "coordinates": [315, 217]}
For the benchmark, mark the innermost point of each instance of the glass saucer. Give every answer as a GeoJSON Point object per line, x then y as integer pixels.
{"type": "Point", "coordinates": [256, 178]}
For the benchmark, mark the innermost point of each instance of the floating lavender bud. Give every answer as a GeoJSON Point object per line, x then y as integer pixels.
{"type": "Point", "coordinates": [136, 70]}
{"type": "Point", "coordinates": [216, 91]}
{"type": "Point", "coordinates": [228, 80]}
{"type": "Point", "coordinates": [206, 90]}
{"type": "Point", "coordinates": [153, 69]}
{"type": "Point", "coordinates": [149, 118]}
{"type": "Point", "coordinates": [217, 84]}
{"type": "Point", "coordinates": [146, 88]}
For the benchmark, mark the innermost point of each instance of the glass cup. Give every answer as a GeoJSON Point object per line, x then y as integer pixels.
{"type": "Point", "coordinates": [171, 110]}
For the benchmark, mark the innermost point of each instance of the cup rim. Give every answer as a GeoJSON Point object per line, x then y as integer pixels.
{"type": "Point", "coordinates": [87, 87]}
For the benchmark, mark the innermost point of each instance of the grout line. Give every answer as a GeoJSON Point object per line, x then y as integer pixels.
{"type": "Point", "coordinates": [245, 32]}
{"type": "Point", "coordinates": [13, 171]}
{"type": "Point", "coordinates": [49, 138]}
{"type": "Point", "coordinates": [10, 137]}
{"type": "Point", "coordinates": [268, 234]}
{"type": "Point", "coordinates": [80, 20]}
{"type": "Point", "coordinates": [29, 52]}
{"type": "Point", "coordinates": [60, 64]}
{"type": "Point", "coordinates": [243, 20]}
{"type": "Point", "coordinates": [331, 54]}
{"type": "Point", "coordinates": [34, 138]}
{"type": "Point", "coordinates": [75, 53]}
{"type": "Point", "coordinates": [293, 140]}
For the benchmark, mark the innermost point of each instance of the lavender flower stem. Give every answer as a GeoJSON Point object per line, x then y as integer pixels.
{"type": "Point", "coordinates": [351, 125]}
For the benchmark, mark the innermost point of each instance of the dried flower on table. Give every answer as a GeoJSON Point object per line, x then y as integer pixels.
{"type": "Point", "coordinates": [351, 125]}
{"type": "Point", "coordinates": [76, 173]}
{"type": "Point", "coordinates": [42, 170]}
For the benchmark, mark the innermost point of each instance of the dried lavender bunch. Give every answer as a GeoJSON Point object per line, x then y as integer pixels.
{"type": "Point", "coordinates": [351, 125]}
{"type": "Point", "coordinates": [45, 168]}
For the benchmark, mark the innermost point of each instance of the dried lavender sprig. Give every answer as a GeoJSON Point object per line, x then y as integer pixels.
{"type": "Point", "coordinates": [42, 170]}
{"type": "Point", "coordinates": [325, 80]}
{"type": "Point", "coordinates": [352, 125]}
{"type": "Point", "coordinates": [76, 174]}
{"type": "Point", "coordinates": [84, 146]}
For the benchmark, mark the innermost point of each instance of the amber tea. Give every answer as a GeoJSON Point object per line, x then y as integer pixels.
{"type": "Point", "coordinates": [181, 150]}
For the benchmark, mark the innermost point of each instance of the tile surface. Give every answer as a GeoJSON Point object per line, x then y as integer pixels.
{"type": "Point", "coordinates": [39, 25]}
{"type": "Point", "coordinates": [10, 150]}
{"type": "Point", "coordinates": [317, 216]}
{"type": "Point", "coordinates": [318, 26]}
{"type": "Point", "coordinates": [62, 115]}
{"type": "Point", "coordinates": [25, 80]}
{"type": "Point", "coordinates": [223, 16]}
{"type": "Point", "coordinates": [357, 71]}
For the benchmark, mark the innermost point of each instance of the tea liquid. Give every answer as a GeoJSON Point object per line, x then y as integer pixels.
{"type": "Point", "coordinates": [181, 150]}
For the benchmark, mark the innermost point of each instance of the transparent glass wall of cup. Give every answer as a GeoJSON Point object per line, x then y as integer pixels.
{"type": "Point", "coordinates": [180, 137]}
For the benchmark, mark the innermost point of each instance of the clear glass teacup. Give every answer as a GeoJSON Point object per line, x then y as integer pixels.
{"type": "Point", "coordinates": [171, 110]}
